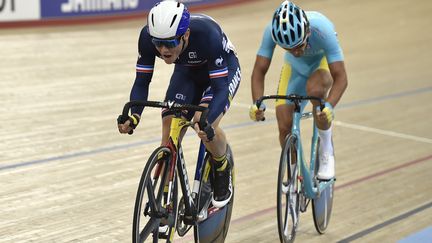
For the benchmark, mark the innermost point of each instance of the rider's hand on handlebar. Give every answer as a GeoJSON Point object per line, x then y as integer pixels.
{"type": "Point", "coordinates": [326, 114]}
{"type": "Point", "coordinates": [207, 134]}
{"type": "Point", "coordinates": [127, 124]}
{"type": "Point", "coordinates": [256, 114]}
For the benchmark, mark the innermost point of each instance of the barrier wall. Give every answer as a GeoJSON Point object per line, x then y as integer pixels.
{"type": "Point", "coordinates": [28, 12]}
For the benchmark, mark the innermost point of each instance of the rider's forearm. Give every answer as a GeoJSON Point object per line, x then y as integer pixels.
{"type": "Point", "coordinates": [257, 84]}
{"type": "Point", "coordinates": [140, 90]}
{"type": "Point", "coordinates": [260, 69]}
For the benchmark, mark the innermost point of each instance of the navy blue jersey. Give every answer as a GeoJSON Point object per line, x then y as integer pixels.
{"type": "Point", "coordinates": [205, 59]}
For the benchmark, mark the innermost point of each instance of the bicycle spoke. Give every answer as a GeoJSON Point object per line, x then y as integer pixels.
{"type": "Point", "coordinates": [149, 228]}
{"type": "Point", "coordinates": [151, 197]}
{"type": "Point", "coordinates": [287, 213]}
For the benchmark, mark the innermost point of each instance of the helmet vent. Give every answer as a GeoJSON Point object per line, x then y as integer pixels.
{"type": "Point", "coordinates": [178, 5]}
{"type": "Point", "coordinates": [284, 14]}
{"type": "Point", "coordinates": [173, 20]}
{"type": "Point", "coordinates": [284, 26]}
{"type": "Point", "coordinates": [297, 13]}
{"type": "Point", "coordinates": [152, 19]}
{"type": "Point", "coordinates": [274, 21]}
{"type": "Point", "coordinates": [286, 38]}
{"type": "Point", "coordinates": [280, 37]}
{"type": "Point", "coordinates": [277, 20]}
{"type": "Point", "coordinates": [292, 35]}
{"type": "Point", "coordinates": [298, 30]}
{"type": "Point", "coordinates": [291, 20]}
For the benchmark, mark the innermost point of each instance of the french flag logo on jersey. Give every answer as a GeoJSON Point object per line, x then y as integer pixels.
{"type": "Point", "coordinates": [219, 73]}
{"type": "Point", "coordinates": [144, 68]}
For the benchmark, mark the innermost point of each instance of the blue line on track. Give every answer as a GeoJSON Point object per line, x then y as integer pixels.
{"type": "Point", "coordinates": [385, 224]}
{"type": "Point", "coordinates": [229, 127]}
{"type": "Point", "coordinates": [424, 235]}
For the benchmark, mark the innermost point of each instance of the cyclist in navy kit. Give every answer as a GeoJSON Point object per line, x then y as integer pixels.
{"type": "Point", "coordinates": [206, 72]}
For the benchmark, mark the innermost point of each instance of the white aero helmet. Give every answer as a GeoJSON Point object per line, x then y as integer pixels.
{"type": "Point", "coordinates": [289, 25]}
{"type": "Point", "coordinates": [168, 19]}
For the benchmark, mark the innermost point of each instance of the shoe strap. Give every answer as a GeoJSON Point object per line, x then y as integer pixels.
{"type": "Point", "coordinates": [220, 162]}
{"type": "Point", "coordinates": [223, 166]}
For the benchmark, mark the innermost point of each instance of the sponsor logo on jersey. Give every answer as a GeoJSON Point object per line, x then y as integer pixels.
{"type": "Point", "coordinates": [227, 45]}
{"type": "Point", "coordinates": [219, 62]}
{"type": "Point", "coordinates": [193, 55]}
{"type": "Point", "coordinates": [180, 96]}
{"type": "Point", "coordinates": [234, 84]}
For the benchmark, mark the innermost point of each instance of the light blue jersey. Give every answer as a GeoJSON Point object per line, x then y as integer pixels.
{"type": "Point", "coordinates": [322, 42]}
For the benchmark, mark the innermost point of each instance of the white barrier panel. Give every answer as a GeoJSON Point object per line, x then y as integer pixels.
{"type": "Point", "coordinates": [16, 10]}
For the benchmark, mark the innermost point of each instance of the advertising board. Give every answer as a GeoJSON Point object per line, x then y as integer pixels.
{"type": "Point", "coordinates": [13, 10]}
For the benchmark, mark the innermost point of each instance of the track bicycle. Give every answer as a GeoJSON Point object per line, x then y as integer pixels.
{"type": "Point", "coordinates": [158, 214]}
{"type": "Point", "coordinates": [298, 184]}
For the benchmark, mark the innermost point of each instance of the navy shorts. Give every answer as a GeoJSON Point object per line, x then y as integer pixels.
{"type": "Point", "coordinates": [191, 85]}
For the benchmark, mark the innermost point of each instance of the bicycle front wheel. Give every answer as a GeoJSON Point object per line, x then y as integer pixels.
{"type": "Point", "coordinates": [322, 205]}
{"type": "Point", "coordinates": [287, 191]}
{"type": "Point", "coordinates": [215, 226]}
{"type": "Point", "coordinates": [155, 205]}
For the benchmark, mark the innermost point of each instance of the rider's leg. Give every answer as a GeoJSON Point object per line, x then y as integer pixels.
{"type": "Point", "coordinates": [318, 85]}
{"type": "Point", "coordinates": [166, 123]}
{"type": "Point", "coordinates": [284, 118]}
{"type": "Point", "coordinates": [222, 188]}
{"type": "Point", "coordinates": [290, 82]}
{"type": "Point", "coordinates": [221, 169]}
{"type": "Point", "coordinates": [217, 147]}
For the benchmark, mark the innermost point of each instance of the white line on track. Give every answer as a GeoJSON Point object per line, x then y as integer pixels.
{"type": "Point", "coordinates": [383, 132]}
{"type": "Point", "coordinates": [362, 128]}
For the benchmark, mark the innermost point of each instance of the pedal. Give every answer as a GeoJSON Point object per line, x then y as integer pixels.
{"type": "Point", "coordinates": [204, 211]}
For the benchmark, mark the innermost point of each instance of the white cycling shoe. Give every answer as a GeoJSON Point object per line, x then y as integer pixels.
{"type": "Point", "coordinates": [326, 169]}
{"type": "Point", "coordinates": [163, 229]}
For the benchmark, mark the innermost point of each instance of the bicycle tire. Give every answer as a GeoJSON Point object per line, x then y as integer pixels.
{"type": "Point", "coordinates": [288, 207]}
{"type": "Point", "coordinates": [145, 222]}
{"type": "Point", "coordinates": [322, 205]}
{"type": "Point", "coordinates": [215, 228]}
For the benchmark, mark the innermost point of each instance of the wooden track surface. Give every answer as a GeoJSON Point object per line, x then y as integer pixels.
{"type": "Point", "coordinates": [67, 175]}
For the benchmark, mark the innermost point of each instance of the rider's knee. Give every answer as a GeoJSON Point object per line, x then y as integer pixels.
{"type": "Point", "coordinates": [319, 83]}
{"type": "Point", "coordinates": [284, 130]}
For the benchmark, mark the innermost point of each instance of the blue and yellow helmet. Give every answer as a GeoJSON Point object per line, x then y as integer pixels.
{"type": "Point", "coordinates": [290, 25]}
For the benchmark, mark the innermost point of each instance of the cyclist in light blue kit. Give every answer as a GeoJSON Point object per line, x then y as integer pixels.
{"type": "Point", "coordinates": [314, 65]}
{"type": "Point", "coordinates": [206, 72]}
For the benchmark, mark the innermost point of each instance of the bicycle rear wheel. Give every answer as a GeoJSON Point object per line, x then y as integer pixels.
{"type": "Point", "coordinates": [322, 205]}
{"type": "Point", "coordinates": [151, 205]}
{"type": "Point", "coordinates": [287, 191]}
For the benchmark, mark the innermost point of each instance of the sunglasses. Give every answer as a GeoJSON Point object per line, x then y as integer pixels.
{"type": "Point", "coordinates": [168, 43]}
